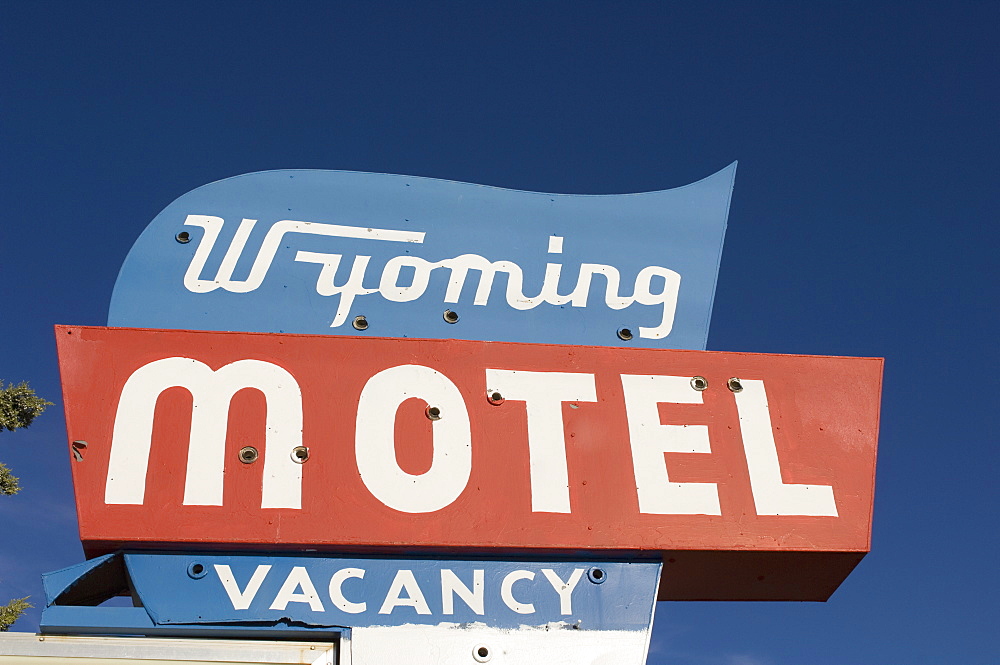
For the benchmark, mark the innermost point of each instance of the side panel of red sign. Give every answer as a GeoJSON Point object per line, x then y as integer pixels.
{"type": "Point", "coordinates": [264, 441]}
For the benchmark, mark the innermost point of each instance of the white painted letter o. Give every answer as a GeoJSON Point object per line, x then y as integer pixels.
{"type": "Point", "coordinates": [375, 445]}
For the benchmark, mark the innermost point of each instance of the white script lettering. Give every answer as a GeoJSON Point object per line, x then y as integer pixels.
{"type": "Point", "coordinates": [389, 285]}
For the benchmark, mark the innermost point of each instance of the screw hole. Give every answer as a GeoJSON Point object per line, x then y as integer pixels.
{"type": "Point", "coordinates": [625, 334]}
{"type": "Point", "coordinates": [248, 454]}
{"type": "Point", "coordinates": [300, 454]}
{"type": "Point", "coordinates": [450, 316]}
{"type": "Point", "coordinates": [183, 237]}
{"type": "Point", "coordinates": [197, 570]}
{"type": "Point", "coordinates": [481, 653]}
{"type": "Point", "coordinates": [699, 383]}
{"type": "Point", "coordinates": [432, 413]}
{"type": "Point", "coordinates": [494, 397]}
{"type": "Point", "coordinates": [360, 323]}
{"type": "Point", "coordinates": [734, 385]}
{"type": "Point", "coordinates": [597, 575]}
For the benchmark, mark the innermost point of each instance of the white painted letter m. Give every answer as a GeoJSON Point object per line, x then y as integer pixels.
{"type": "Point", "coordinates": [212, 392]}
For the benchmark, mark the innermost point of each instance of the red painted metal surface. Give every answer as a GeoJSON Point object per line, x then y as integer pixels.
{"type": "Point", "coordinates": [823, 413]}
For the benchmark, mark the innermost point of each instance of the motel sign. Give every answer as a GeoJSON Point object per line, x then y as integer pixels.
{"type": "Point", "coordinates": [405, 442]}
{"type": "Point", "coordinates": [391, 415]}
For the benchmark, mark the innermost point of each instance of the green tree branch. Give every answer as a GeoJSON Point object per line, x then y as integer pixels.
{"type": "Point", "coordinates": [19, 406]}
{"type": "Point", "coordinates": [12, 611]}
{"type": "Point", "coordinates": [8, 481]}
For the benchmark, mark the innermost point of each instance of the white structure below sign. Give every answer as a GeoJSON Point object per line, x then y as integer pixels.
{"type": "Point", "coordinates": [30, 649]}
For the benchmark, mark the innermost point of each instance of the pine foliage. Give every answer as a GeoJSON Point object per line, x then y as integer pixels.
{"type": "Point", "coordinates": [8, 481]}
{"type": "Point", "coordinates": [19, 406]}
{"type": "Point", "coordinates": [11, 612]}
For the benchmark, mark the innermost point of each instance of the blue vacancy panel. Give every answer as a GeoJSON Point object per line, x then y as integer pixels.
{"type": "Point", "coordinates": [311, 251]}
{"type": "Point", "coordinates": [358, 592]}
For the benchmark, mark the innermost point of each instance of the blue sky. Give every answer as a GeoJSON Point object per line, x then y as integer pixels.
{"type": "Point", "coordinates": [863, 221]}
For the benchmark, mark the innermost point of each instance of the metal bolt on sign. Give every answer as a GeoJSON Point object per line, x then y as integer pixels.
{"type": "Point", "coordinates": [183, 237]}
{"type": "Point", "coordinates": [699, 383]}
{"type": "Point", "coordinates": [248, 454]}
{"type": "Point", "coordinates": [494, 397]}
{"type": "Point", "coordinates": [481, 653]}
{"type": "Point", "coordinates": [360, 323]}
{"type": "Point", "coordinates": [432, 413]}
{"type": "Point", "coordinates": [300, 454]}
{"type": "Point", "coordinates": [450, 316]}
{"type": "Point", "coordinates": [625, 334]}
{"type": "Point", "coordinates": [735, 385]}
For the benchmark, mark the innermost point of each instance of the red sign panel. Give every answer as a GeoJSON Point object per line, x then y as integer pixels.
{"type": "Point", "coordinates": [264, 441]}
